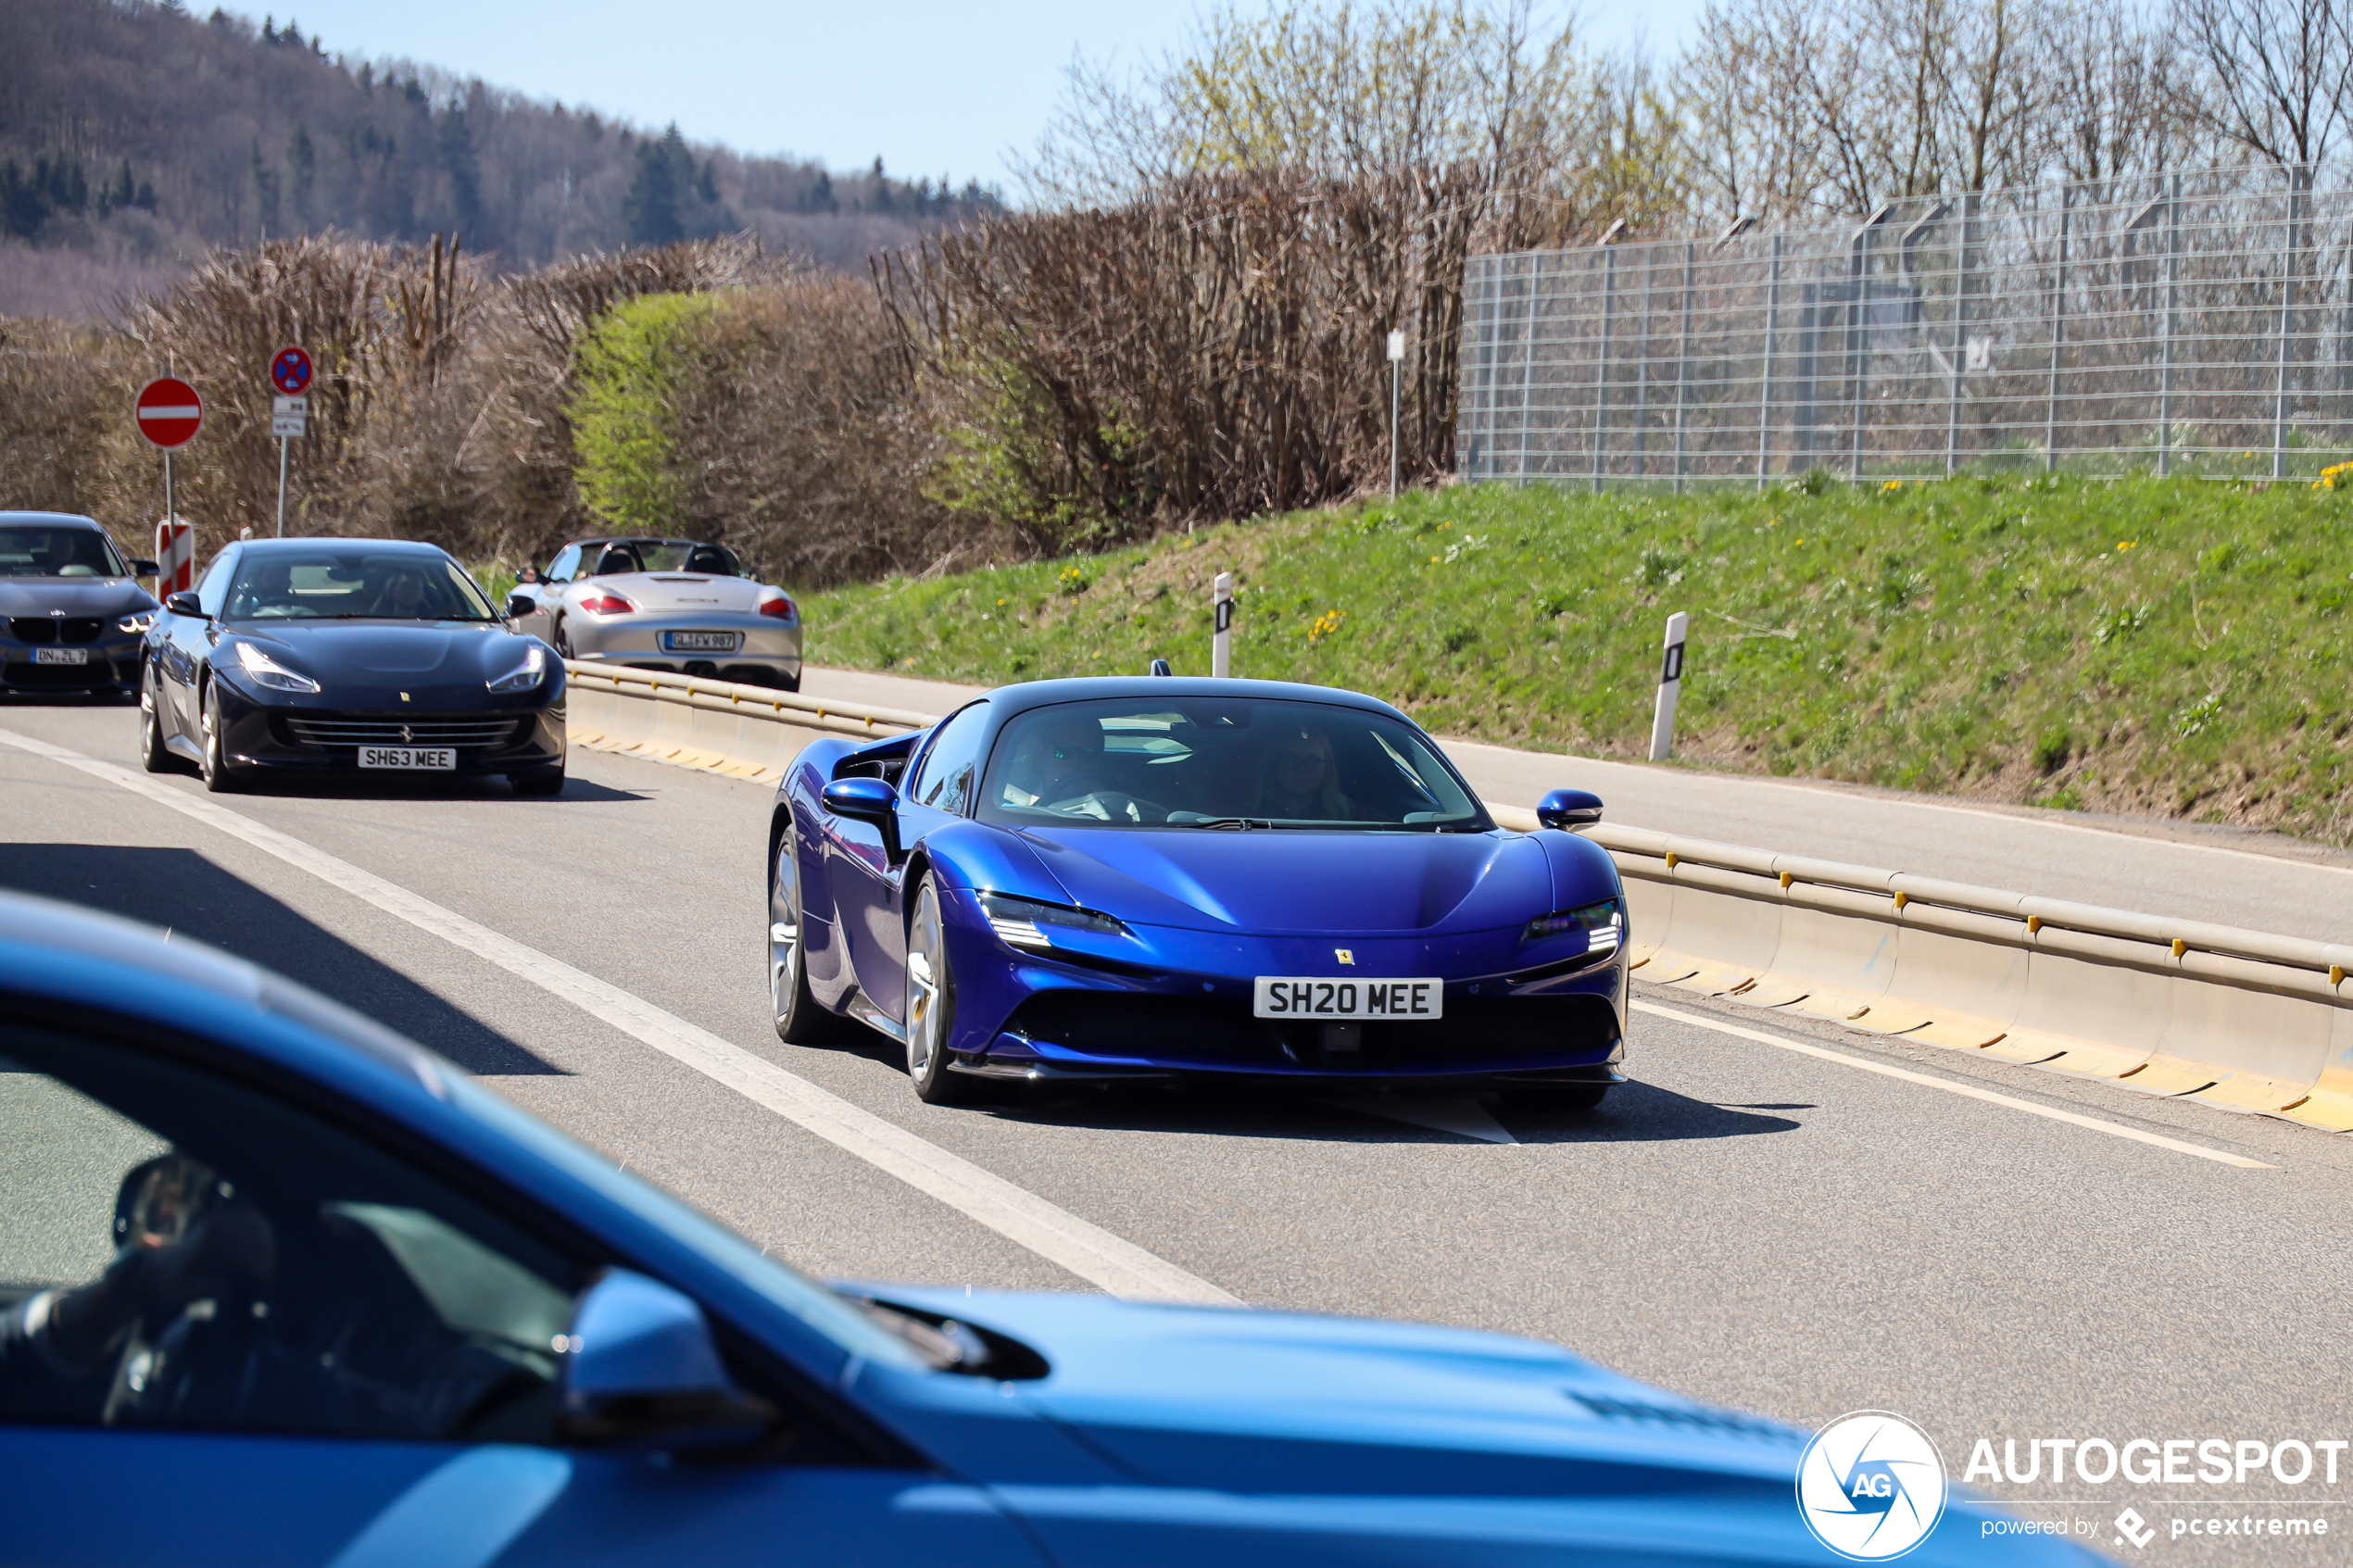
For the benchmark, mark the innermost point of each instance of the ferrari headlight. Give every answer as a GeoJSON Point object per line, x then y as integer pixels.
{"type": "Point", "coordinates": [266, 671]}
{"type": "Point", "coordinates": [1604, 924]}
{"type": "Point", "coordinates": [136, 622]}
{"type": "Point", "coordinates": [1020, 923]}
{"type": "Point", "coordinates": [534, 664]}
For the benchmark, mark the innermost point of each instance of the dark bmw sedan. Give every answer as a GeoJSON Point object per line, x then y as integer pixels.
{"type": "Point", "coordinates": [71, 614]}
{"type": "Point", "coordinates": [347, 654]}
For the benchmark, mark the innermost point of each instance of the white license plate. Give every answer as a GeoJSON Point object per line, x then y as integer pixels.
{"type": "Point", "coordinates": [61, 655]}
{"type": "Point", "coordinates": [699, 642]}
{"type": "Point", "coordinates": [407, 756]}
{"type": "Point", "coordinates": [1285, 996]}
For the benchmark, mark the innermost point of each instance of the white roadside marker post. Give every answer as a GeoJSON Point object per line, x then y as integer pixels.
{"type": "Point", "coordinates": [1670, 686]}
{"type": "Point", "coordinates": [1396, 366]}
{"type": "Point", "coordinates": [1221, 642]}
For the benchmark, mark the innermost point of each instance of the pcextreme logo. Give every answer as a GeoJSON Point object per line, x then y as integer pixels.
{"type": "Point", "coordinates": [1871, 1485]}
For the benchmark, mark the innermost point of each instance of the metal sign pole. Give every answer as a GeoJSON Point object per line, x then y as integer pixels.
{"type": "Point", "coordinates": [168, 514]}
{"type": "Point", "coordinates": [282, 487]}
{"type": "Point", "coordinates": [1396, 370]}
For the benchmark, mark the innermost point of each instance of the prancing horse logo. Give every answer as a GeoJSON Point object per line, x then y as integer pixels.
{"type": "Point", "coordinates": [405, 733]}
{"type": "Point", "coordinates": [1345, 955]}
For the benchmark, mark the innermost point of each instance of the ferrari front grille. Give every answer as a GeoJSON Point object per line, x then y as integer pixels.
{"type": "Point", "coordinates": [334, 729]}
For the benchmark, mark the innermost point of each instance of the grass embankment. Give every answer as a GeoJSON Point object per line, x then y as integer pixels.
{"type": "Point", "coordinates": [2170, 648]}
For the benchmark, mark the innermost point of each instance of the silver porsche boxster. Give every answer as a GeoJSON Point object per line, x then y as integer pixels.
{"type": "Point", "coordinates": [663, 604]}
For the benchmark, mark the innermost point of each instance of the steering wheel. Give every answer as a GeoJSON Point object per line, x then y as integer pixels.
{"type": "Point", "coordinates": [1111, 805]}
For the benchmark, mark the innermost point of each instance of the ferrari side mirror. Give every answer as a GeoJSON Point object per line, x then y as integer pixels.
{"type": "Point", "coordinates": [640, 1370]}
{"type": "Point", "coordinates": [867, 800]}
{"type": "Point", "coordinates": [185, 604]}
{"type": "Point", "coordinates": [1572, 810]}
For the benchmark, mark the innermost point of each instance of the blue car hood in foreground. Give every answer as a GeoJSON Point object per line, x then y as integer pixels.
{"type": "Point", "coordinates": [1447, 1432]}
{"type": "Point", "coordinates": [1286, 880]}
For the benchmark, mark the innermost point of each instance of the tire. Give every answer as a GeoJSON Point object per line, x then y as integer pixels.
{"type": "Point", "coordinates": [1573, 1098]}
{"type": "Point", "coordinates": [931, 1006]}
{"type": "Point", "coordinates": [221, 776]}
{"type": "Point", "coordinates": [802, 1019]}
{"type": "Point", "coordinates": [155, 757]}
{"type": "Point", "coordinates": [562, 641]}
{"type": "Point", "coordinates": [542, 781]}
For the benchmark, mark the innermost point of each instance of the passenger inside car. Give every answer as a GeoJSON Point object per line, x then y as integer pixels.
{"type": "Point", "coordinates": [1299, 777]}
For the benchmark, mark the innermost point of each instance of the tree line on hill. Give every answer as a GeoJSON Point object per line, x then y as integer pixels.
{"type": "Point", "coordinates": [228, 134]}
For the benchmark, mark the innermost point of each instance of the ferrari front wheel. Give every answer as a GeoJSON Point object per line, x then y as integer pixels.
{"type": "Point", "coordinates": [931, 1005]}
{"type": "Point", "coordinates": [800, 1019]}
{"type": "Point", "coordinates": [154, 754]}
{"type": "Point", "coordinates": [220, 776]}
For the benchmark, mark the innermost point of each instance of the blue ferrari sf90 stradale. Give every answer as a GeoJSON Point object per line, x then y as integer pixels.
{"type": "Point", "coordinates": [1133, 878]}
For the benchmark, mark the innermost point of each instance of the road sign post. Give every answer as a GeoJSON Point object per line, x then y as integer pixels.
{"type": "Point", "coordinates": [1221, 642]}
{"type": "Point", "coordinates": [168, 413]}
{"type": "Point", "coordinates": [289, 411]}
{"type": "Point", "coordinates": [1670, 686]}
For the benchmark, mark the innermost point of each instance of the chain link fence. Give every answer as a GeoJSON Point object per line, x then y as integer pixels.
{"type": "Point", "coordinates": [2183, 323]}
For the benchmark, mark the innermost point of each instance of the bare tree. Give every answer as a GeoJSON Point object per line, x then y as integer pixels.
{"type": "Point", "coordinates": [2271, 77]}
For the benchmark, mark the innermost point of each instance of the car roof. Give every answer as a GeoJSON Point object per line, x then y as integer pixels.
{"type": "Point", "coordinates": [51, 520]}
{"type": "Point", "coordinates": [312, 541]}
{"type": "Point", "coordinates": [1088, 688]}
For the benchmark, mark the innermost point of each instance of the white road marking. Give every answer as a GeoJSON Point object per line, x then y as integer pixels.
{"type": "Point", "coordinates": [1119, 1266]}
{"type": "Point", "coordinates": [1968, 1091]}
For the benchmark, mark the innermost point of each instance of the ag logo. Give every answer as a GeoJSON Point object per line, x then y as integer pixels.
{"type": "Point", "coordinates": [1871, 1485]}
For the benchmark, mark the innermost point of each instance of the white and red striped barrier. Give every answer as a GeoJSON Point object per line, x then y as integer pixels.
{"type": "Point", "coordinates": [175, 558]}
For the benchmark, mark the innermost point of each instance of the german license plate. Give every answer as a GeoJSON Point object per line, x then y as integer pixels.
{"type": "Point", "coordinates": [407, 756]}
{"type": "Point", "coordinates": [698, 642]}
{"type": "Point", "coordinates": [61, 655]}
{"type": "Point", "coordinates": [1285, 996]}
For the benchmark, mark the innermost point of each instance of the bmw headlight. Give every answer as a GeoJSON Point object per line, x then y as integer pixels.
{"type": "Point", "coordinates": [534, 664]}
{"type": "Point", "coordinates": [1020, 923]}
{"type": "Point", "coordinates": [136, 622]}
{"type": "Point", "coordinates": [1604, 924]}
{"type": "Point", "coordinates": [266, 671]}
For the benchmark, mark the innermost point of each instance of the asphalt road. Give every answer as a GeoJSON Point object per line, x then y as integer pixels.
{"type": "Point", "coordinates": [1779, 1231]}
{"type": "Point", "coordinates": [2261, 880]}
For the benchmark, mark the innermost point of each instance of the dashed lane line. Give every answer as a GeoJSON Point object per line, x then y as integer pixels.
{"type": "Point", "coordinates": [1115, 1264]}
{"type": "Point", "coordinates": [1968, 1091]}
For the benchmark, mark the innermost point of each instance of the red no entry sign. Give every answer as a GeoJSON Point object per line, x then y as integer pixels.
{"type": "Point", "coordinates": [290, 371]}
{"type": "Point", "coordinates": [169, 412]}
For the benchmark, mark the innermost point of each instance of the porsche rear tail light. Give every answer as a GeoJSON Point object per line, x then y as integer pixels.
{"type": "Point", "coordinates": [781, 608]}
{"type": "Point", "coordinates": [607, 603]}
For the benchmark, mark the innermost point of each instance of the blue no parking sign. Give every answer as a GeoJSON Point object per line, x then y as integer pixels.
{"type": "Point", "coordinates": [290, 371]}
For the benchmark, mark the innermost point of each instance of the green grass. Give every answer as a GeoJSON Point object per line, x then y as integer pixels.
{"type": "Point", "coordinates": [2174, 648]}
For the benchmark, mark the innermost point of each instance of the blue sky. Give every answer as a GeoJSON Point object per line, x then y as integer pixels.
{"type": "Point", "coordinates": [931, 87]}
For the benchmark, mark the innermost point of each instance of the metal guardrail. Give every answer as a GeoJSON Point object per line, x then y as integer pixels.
{"type": "Point", "coordinates": [2246, 1020]}
{"type": "Point", "coordinates": [2195, 322]}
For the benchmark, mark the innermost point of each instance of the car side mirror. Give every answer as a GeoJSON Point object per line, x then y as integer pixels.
{"type": "Point", "coordinates": [640, 1368]}
{"type": "Point", "coordinates": [142, 567]}
{"type": "Point", "coordinates": [1571, 810]}
{"type": "Point", "coordinates": [184, 604]}
{"type": "Point", "coordinates": [867, 800]}
{"type": "Point", "coordinates": [520, 604]}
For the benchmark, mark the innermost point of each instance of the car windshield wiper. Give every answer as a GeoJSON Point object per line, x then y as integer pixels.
{"type": "Point", "coordinates": [1238, 824]}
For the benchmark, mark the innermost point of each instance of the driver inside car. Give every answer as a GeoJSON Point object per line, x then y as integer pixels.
{"type": "Point", "coordinates": [184, 1241]}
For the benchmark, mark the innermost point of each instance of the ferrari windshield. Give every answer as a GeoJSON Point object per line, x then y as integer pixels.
{"type": "Point", "coordinates": [1212, 762]}
{"type": "Point", "coordinates": [58, 552]}
{"type": "Point", "coordinates": [353, 585]}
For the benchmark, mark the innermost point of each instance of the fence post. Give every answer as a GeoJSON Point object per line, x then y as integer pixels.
{"type": "Point", "coordinates": [1961, 338]}
{"type": "Point", "coordinates": [2172, 296]}
{"type": "Point", "coordinates": [2058, 335]}
{"type": "Point", "coordinates": [1642, 366]}
{"type": "Point", "coordinates": [1601, 373]}
{"type": "Point", "coordinates": [1764, 396]}
{"type": "Point", "coordinates": [2295, 178]}
{"type": "Point", "coordinates": [1527, 366]}
{"type": "Point", "coordinates": [1683, 366]}
{"type": "Point", "coordinates": [1670, 686]}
